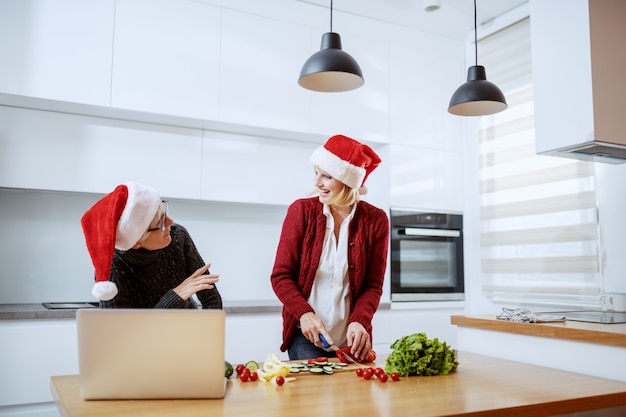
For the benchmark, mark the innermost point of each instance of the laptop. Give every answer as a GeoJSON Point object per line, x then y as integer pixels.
{"type": "Point", "coordinates": [151, 354]}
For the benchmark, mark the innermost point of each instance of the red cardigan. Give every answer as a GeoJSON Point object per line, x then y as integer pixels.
{"type": "Point", "coordinates": [299, 252]}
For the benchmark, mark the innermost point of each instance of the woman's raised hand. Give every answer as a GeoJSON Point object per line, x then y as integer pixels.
{"type": "Point", "coordinates": [198, 281]}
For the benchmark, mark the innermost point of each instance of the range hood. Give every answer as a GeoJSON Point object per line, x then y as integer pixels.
{"type": "Point", "coordinates": [579, 61]}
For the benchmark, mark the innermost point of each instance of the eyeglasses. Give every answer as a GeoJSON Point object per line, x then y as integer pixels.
{"type": "Point", "coordinates": [161, 226]}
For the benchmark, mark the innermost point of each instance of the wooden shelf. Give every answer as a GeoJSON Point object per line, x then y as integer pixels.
{"type": "Point", "coordinates": [604, 334]}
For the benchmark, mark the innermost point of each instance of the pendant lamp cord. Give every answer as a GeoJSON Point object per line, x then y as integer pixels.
{"type": "Point", "coordinates": [475, 35]}
{"type": "Point", "coordinates": [331, 15]}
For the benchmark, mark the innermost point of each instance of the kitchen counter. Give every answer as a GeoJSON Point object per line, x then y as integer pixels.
{"type": "Point", "coordinates": [38, 311]}
{"type": "Point", "coordinates": [604, 334]}
{"type": "Point", "coordinates": [482, 385]}
{"type": "Point", "coordinates": [593, 349]}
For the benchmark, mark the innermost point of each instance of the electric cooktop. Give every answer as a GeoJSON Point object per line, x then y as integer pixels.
{"type": "Point", "coordinates": [591, 316]}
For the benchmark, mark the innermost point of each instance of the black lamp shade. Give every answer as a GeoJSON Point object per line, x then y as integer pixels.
{"type": "Point", "coordinates": [331, 69]}
{"type": "Point", "coordinates": [477, 97]}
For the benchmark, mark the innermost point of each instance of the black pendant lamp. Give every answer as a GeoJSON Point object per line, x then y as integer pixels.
{"type": "Point", "coordinates": [331, 69]}
{"type": "Point", "coordinates": [477, 97]}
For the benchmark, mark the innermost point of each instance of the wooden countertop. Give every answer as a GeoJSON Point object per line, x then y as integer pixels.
{"type": "Point", "coordinates": [605, 334]}
{"type": "Point", "coordinates": [481, 385]}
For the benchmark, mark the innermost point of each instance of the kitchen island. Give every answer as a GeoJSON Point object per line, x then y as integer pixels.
{"type": "Point", "coordinates": [481, 386]}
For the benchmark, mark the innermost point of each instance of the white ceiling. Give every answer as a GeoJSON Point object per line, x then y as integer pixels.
{"type": "Point", "coordinates": [455, 18]}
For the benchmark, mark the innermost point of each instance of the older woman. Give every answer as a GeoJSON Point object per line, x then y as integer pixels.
{"type": "Point", "coordinates": [142, 258]}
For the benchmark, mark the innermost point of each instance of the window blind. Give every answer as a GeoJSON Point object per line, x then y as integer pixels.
{"type": "Point", "coordinates": [538, 214]}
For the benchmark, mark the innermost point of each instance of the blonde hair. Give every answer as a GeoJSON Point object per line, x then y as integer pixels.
{"type": "Point", "coordinates": [348, 196]}
{"type": "Point", "coordinates": [155, 219]}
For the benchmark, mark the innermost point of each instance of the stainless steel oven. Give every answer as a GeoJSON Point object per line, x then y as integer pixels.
{"type": "Point", "coordinates": [426, 256]}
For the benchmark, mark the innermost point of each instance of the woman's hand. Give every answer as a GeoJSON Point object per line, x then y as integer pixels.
{"type": "Point", "coordinates": [196, 282]}
{"type": "Point", "coordinates": [311, 327]}
{"type": "Point", "coordinates": [359, 340]}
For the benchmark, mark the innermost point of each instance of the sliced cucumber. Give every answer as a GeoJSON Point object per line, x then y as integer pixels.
{"type": "Point", "coordinates": [252, 366]}
{"type": "Point", "coordinates": [316, 370]}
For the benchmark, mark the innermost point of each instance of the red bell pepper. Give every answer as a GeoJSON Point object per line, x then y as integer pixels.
{"type": "Point", "coordinates": [344, 353]}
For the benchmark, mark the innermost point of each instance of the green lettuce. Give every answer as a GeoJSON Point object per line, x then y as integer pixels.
{"type": "Point", "coordinates": [417, 355]}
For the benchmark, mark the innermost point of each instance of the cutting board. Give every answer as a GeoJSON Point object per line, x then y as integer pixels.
{"type": "Point", "coordinates": [347, 368]}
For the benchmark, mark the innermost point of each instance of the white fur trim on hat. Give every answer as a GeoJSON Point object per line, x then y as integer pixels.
{"type": "Point", "coordinates": [104, 290]}
{"type": "Point", "coordinates": [338, 168]}
{"type": "Point", "coordinates": [141, 207]}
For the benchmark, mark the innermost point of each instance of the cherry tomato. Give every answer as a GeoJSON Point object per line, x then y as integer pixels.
{"type": "Point", "coordinates": [280, 380]}
{"type": "Point", "coordinates": [311, 361]}
{"type": "Point", "coordinates": [321, 359]}
{"type": "Point", "coordinates": [254, 376]}
{"type": "Point", "coordinates": [395, 376]}
{"type": "Point", "coordinates": [379, 371]}
{"type": "Point", "coordinates": [244, 377]}
{"type": "Point", "coordinates": [240, 368]}
{"type": "Point", "coordinates": [382, 377]}
{"type": "Point", "coordinates": [245, 372]}
{"type": "Point", "coordinates": [368, 373]}
{"type": "Point", "coordinates": [359, 372]}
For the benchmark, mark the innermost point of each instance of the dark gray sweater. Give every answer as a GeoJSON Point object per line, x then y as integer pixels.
{"type": "Point", "coordinates": [146, 279]}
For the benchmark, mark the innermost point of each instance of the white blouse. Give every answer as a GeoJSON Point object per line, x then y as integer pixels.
{"type": "Point", "coordinates": [330, 295]}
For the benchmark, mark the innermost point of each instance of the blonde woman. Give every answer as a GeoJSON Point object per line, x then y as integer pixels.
{"type": "Point", "coordinates": [332, 255]}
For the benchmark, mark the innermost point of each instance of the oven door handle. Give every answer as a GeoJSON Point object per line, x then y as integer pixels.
{"type": "Point", "coordinates": [415, 231]}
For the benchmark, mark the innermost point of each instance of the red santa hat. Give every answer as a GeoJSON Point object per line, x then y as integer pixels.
{"type": "Point", "coordinates": [117, 221]}
{"type": "Point", "coordinates": [346, 160]}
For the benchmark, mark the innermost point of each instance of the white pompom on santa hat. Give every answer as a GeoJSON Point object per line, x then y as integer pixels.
{"type": "Point", "coordinates": [346, 160]}
{"type": "Point", "coordinates": [117, 221]}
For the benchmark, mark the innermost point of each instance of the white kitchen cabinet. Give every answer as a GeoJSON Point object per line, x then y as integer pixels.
{"type": "Point", "coordinates": [404, 319]}
{"type": "Point", "coordinates": [56, 151]}
{"type": "Point", "coordinates": [422, 80]}
{"type": "Point", "coordinates": [249, 169]}
{"type": "Point", "coordinates": [432, 318]}
{"type": "Point", "coordinates": [260, 65]}
{"type": "Point", "coordinates": [31, 352]}
{"type": "Point", "coordinates": [426, 178]}
{"type": "Point", "coordinates": [166, 57]}
{"type": "Point", "coordinates": [599, 360]}
{"type": "Point", "coordinates": [253, 337]}
{"type": "Point", "coordinates": [579, 92]}
{"type": "Point", "coordinates": [57, 49]}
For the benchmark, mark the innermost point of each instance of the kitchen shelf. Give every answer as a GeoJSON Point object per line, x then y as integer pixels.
{"type": "Point", "coordinates": [604, 334]}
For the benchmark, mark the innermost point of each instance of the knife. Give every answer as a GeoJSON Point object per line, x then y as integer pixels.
{"type": "Point", "coordinates": [332, 348]}
{"type": "Point", "coordinates": [327, 346]}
